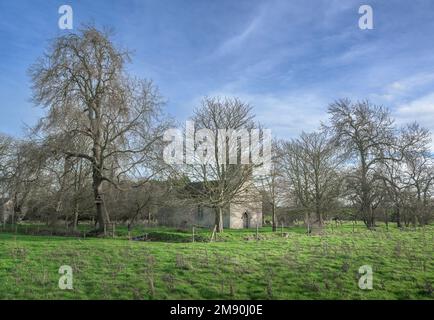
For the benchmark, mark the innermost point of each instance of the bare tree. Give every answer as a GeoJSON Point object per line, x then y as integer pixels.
{"type": "Point", "coordinates": [366, 132]}
{"type": "Point", "coordinates": [22, 169]}
{"type": "Point", "coordinates": [81, 172]}
{"type": "Point", "coordinates": [139, 202]}
{"type": "Point", "coordinates": [272, 184]}
{"type": "Point", "coordinates": [311, 164]}
{"type": "Point", "coordinates": [219, 180]}
{"type": "Point", "coordinates": [396, 184]}
{"type": "Point", "coordinates": [95, 111]}
{"type": "Point", "coordinates": [5, 149]}
{"type": "Point", "coordinates": [408, 182]}
{"type": "Point", "coordinates": [419, 169]}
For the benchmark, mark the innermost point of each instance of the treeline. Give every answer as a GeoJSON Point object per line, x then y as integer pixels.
{"type": "Point", "coordinates": [97, 154]}
{"type": "Point", "coordinates": [359, 160]}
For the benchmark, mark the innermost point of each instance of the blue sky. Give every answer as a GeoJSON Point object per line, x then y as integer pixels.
{"type": "Point", "coordinates": [289, 59]}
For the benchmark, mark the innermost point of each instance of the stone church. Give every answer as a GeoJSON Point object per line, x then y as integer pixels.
{"type": "Point", "coordinates": [6, 210]}
{"type": "Point", "coordinates": [242, 212]}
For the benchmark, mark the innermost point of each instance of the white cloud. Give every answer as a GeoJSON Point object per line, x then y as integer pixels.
{"type": "Point", "coordinates": [287, 115]}
{"type": "Point", "coordinates": [403, 91]}
{"type": "Point", "coordinates": [420, 110]}
{"type": "Point", "coordinates": [409, 83]}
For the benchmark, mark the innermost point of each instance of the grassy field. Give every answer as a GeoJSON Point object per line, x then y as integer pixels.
{"type": "Point", "coordinates": [237, 266]}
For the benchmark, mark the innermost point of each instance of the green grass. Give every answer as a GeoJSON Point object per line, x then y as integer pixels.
{"type": "Point", "coordinates": [235, 267]}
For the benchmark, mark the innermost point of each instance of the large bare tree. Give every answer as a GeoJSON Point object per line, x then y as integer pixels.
{"type": "Point", "coordinates": [378, 153]}
{"type": "Point", "coordinates": [408, 182]}
{"type": "Point", "coordinates": [22, 169]}
{"type": "Point", "coordinates": [366, 131]}
{"type": "Point", "coordinates": [96, 112]}
{"type": "Point", "coordinates": [220, 180]}
{"type": "Point", "coordinates": [311, 165]}
{"type": "Point", "coordinates": [419, 169]}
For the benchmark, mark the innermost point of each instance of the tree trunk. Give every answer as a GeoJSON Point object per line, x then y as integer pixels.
{"type": "Point", "coordinates": [59, 205]}
{"type": "Point", "coordinates": [386, 215]}
{"type": "Point", "coordinates": [16, 213]}
{"type": "Point", "coordinates": [366, 207]}
{"type": "Point", "coordinates": [273, 212]}
{"type": "Point", "coordinates": [76, 212]}
{"type": "Point", "coordinates": [97, 190]}
{"type": "Point", "coordinates": [319, 215]}
{"type": "Point", "coordinates": [308, 223]}
{"type": "Point", "coordinates": [398, 217]}
{"type": "Point", "coordinates": [372, 217]}
{"type": "Point", "coordinates": [55, 215]}
{"type": "Point", "coordinates": [219, 219]}
{"type": "Point", "coordinates": [16, 210]}
{"type": "Point", "coordinates": [98, 163]}
{"type": "Point", "coordinates": [368, 217]}
{"type": "Point", "coordinates": [77, 186]}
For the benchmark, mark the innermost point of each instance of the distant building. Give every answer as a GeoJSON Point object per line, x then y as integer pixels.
{"type": "Point", "coordinates": [6, 210]}
{"type": "Point", "coordinates": [243, 212]}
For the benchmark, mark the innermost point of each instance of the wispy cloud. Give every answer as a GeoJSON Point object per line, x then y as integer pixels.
{"type": "Point", "coordinates": [236, 42]}
{"type": "Point", "coordinates": [421, 110]}
{"type": "Point", "coordinates": [286, 114]}
{"type": "Point", "coordinates": [408, 84]}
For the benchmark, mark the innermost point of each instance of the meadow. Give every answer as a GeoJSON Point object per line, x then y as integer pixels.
{"type": "Point", "coordinates": [240, 264]}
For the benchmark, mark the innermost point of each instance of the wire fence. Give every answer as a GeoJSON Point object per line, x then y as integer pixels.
{"type": "Point", "coordinates": [139, 232]}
